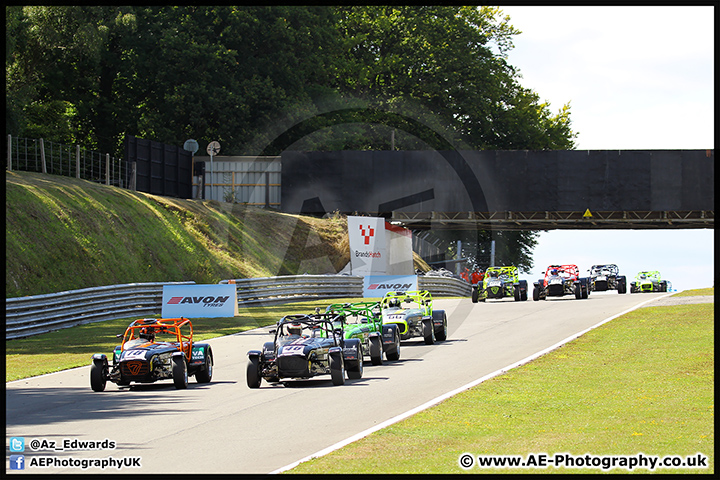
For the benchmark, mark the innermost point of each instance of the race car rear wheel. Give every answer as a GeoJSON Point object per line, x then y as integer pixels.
{"type": "Point", "coordinates": [578, 291]}
{"type": "Point", "coordinates": [253, 372]}
{"type": "Point", "coordinates": [536, 294]}
{"type": "Point", "coordinates": [204, 375]}
{"type": "Point", "coordinates": [98, 379]}
{"type": "Point", "coordinates": [179, 371]}
{"type": "Point", "coordinates": [337, 369]}
{"type": "Point", "coordinates": [376, 351]}
{"type": "Point", "coordinates": [475, 294]}
{"type": "Point", "coordinates": [428, 332]}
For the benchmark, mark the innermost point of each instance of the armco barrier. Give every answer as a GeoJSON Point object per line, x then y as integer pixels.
{"type": "Point", "coordinates": [444, 286]}
{"type": "Point", "coordinates": [291, 288]}
{"type": "Point", "coordinates": [27, 316]}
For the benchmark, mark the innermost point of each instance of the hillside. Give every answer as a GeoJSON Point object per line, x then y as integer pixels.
{"type": "Point", "coordinates": [63, 234]}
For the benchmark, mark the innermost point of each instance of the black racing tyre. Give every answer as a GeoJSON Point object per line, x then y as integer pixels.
{"type": "Point", "coordinates": [578, 291]}
{"type": "Point", "coordinates": [441, 332]}
{"type": "Point", "coordinates": [393, 353]}
{"type": "Point", "coordinates": [536, 294]}
{"type": "Point", "coordinates": [337, 368]}
{"type": "Point", "coordinates": [428, 332]}
{"type": "Point", "coordinates": [204, 375]}
{"type": "Point", "coordinates": [253, 372]}
{"type": "Point", "coordinates": [180, 372]}
{"type": "Point", "coordinates": [474, 295]}
{"type": "Point", "coordinates": [516, 293]}
{"type": "Point", "coordinates": [355, 367]}
{"type": "Point", "coordinates": [376, 352]}
{"type": "Point", "coordinates": [98, 377]}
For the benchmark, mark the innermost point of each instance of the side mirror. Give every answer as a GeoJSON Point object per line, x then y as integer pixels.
{"type": "Point", "coordinates": [364, 320]}
{"type": "Point", "coordinates": [119, 335]}
{"type": "Point", "coordinates": [273, 331]}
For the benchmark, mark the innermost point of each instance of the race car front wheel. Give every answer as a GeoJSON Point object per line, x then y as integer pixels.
{"type": "Point", "coordinates": [98, 380]}
{"type": "Point", "coordinates": [179, 370]}
{"type": "Point", "coordinates": [204, 375]}
{"type": "Point", "coordinates": [428, 332]}
{"type": "Point", "coordinates": [337, 369]}
{"type": "Point", "coordinates": [253, 372]}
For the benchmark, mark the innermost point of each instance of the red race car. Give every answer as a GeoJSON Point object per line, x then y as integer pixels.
{"type": "Point", "coordinates": [561, 280]}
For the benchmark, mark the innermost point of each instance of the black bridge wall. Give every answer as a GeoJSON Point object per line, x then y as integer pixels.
{"type": "Point", "coordinates": [162, 169]}
{"type": "Point", "coordinates": [379, 182]}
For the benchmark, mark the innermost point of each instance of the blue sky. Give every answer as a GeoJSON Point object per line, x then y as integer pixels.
{"type": "Point", "coordinates": [635, 78]}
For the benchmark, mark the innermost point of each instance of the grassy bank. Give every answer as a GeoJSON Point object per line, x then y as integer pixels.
{"type": "Point", "coordinates": [62, 234]}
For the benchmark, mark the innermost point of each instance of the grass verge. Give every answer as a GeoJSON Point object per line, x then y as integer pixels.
{"type": "Point", "coordinates": [641, 383]}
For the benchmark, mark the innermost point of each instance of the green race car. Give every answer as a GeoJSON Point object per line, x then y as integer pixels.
{"type": "Point", "coordinates": [363, 321]}
{"type": "Point", "coordinates": [500, 282]}
{"type": "Point", "coordinates": [414, 316]}
{"type": "Point", "coordinates": [649, 281]}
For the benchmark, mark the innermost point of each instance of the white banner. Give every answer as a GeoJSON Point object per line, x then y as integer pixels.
{"type": "Point", "coordinates": [368, 247]}
{"type": "Point", "coordinates": [376, 286]}
{"type": "Point", "coordinates": [199, 301]}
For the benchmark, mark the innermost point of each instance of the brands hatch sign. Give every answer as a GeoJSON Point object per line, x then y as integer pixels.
{"type": "Point", "coordinates": [199, 301]}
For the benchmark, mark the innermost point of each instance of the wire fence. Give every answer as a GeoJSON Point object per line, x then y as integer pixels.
{"type": "Point", "coordinates": [37, 155]}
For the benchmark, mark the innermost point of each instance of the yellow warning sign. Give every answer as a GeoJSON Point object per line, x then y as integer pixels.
{"type": "Point", "coordinates": [587, 213]}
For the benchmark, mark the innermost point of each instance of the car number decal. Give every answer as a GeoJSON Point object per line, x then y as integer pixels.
{"type": "Point", "coordinates": [396, 317]}
{"type": "Point", "coordinates": [133, 354]}
{"type": "Point", "coordinates": [292, 350]}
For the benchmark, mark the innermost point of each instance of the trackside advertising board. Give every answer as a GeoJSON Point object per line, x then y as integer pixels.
{"type": "Point", "coordinates": [199, 301]}
{"type": "Point", "coordinates": [378, 285]}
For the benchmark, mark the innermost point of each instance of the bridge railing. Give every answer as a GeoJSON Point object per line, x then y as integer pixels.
{"type": "Point", "coordinates": [32, 315]}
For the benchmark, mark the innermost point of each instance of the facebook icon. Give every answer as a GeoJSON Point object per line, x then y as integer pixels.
{"type": "Point", "coordinates": [17, 462]}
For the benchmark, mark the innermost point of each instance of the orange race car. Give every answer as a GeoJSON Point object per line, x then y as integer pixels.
{"type": "Point", "coordinates": [154, 349]}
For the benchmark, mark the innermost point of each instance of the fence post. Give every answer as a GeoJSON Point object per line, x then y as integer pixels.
{"type": "Point", "coordinates": [42, 156]}
{"type": "Point", "coordinates": [133, 177]}
{"type": "Point", "coordinates": [10, 153]}
{"type": "Point", "coordinates": [77, 161]}
{"type": "Point", "coordinates": [267, 186]}
{"type": "Point", "coordinates": [107, 169]}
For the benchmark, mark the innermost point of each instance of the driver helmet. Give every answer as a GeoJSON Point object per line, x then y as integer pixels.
{"type": "Point", "coordinates": [553, 271]}
{"type": "Point", "coordinates": [493, 273]}
{"type": "Point", "coordinates": [294, 329]}
{"type": "Point", "coordinates": [148, 333]}
{"type": "Point", "coordinates": [394, 302]}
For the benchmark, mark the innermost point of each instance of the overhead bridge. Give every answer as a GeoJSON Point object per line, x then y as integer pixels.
{"type": "Point", "coordinates": [507, 190]}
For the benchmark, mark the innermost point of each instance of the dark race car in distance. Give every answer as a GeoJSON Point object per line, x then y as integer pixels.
{"type": "Point", "coordinates": [607, 277]}
{"type": "Point", "coordinates": [305, 346]}
{"type": "Point", "coordinates": [154, 349]}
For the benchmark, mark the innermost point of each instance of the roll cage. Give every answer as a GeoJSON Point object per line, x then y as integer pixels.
{"type": "Point", "coordinates": [422, 298]}
{"type": "Point", "coordinates": [178, 331]}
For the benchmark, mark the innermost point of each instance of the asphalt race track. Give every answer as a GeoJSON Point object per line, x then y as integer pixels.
{"type": "Point", "coordinates": [225, 427]}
